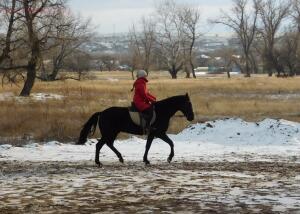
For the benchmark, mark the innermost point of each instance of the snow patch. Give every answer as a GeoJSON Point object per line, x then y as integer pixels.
{"type": "Point", "coordinates": [43, 96]}
{"type": "Point", "coordinates": [221, 140]}
{"type": "Point", "coordinates": [34, 97]}
{"type": "Point", "coordinates": [5, 147]}
{"type": "Point", "coordinates": [53, 143]}
{"type": "Point", "coordinates": [112, 80]}
{"type": "Point", "coordinates": [6, 96]}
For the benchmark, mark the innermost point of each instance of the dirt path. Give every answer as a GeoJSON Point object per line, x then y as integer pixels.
{"type": "Point", "coordinates": [80, 187]}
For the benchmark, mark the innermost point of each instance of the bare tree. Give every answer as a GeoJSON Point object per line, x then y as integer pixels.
{"type": "Point", "coordinates": [169, 36]}
{"type": "Point", "coordinates": [296, 13]}
{"type": "Point", "coordinates": [133, 55]}
{"type": "Point", "coordinates": [272, 14]}
{"type": "Point", "coordinates": [30, 25]}
{"type": "Point", "coordinates": [290, 41]}
{"type": "Point", "coordinates": [78, 62]}
{"type": "Point", "coordinates": [244, 24]}
{"type": "Point", "coordinates": [69, 34]}
{"type": "Point", "coordinates": [190, 17]}
{"type": "Point", "coordinates": [229, 59]}
{"type": "Point", "coordinates": [108, 61]}
{"type": "Point", "coordinates": [9, 10]}
{"type": "Point", "coordinates": [143, 42]}
{"type": "Point", "coordinates": [147, 41]}
{"type": "Point", "coordinates": [39, 16]}
{"type": "Point", "coordinates": [289, 51]}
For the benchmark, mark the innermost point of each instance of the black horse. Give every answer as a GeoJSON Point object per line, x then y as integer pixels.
{"type": "Point", "coordinates": [114, 120]}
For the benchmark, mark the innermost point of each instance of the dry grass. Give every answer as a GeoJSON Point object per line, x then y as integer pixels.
{"type": "Point", "coordinates": [212, 98]}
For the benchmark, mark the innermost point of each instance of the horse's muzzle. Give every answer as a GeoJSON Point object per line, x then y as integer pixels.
{"type": "Point", "coordinates": [190, 118]}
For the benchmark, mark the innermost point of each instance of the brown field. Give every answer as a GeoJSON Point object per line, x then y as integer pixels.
{"type": "Point", "coordinates": [252, 99]}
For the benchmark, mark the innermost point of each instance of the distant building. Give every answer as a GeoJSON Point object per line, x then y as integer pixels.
{"type": "Point", "coordinates": [119, 43]}
{"type": "Point", "coordinates": [234, 42]}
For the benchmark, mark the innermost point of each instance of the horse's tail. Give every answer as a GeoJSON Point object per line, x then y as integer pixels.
{"type": "Point", "coordinates": [88, 128]}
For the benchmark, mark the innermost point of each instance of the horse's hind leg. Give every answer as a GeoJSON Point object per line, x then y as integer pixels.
{"type": "Point", "coordinates": [165, 138]}
{"type": "Point", "coordinates": [111, 146]}
{"type": "Point", "coordinates": [99, 146]}
{"type": "Point", "coordinates": [148, 145]}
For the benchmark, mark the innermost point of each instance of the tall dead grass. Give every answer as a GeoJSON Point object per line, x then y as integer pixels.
{"type": "Point", "coordinates": [212, 98]}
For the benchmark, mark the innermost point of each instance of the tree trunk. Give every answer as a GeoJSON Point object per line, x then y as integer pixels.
{"type": "Point", "coordinates": [57, 63]}
{"type": "Point", "coordinates": [31, 68]}
{"type": "Point", "coordinates": [132, 73]}
{"type": "Point", "coordinates": [279, 68]}
{"type": "Point", "coordinates": [276, 65]}
{"type": "Point", "coordinates": [267, 68]}
{"type": "Point", "coordinates": [248, 73]}
{"type": "Point", "coordinates": [227, 67]}
{"type": "Point", "coordinates": [193, 70]}
{"type": "Point", "coordinates": [6, 50]}
{"type": "Point", "coordinates": [173, 72]}
{"type": "Point", "coordinates": [253, 64]}
{"type": "Point", "coordinates": [228, 74]}
{"type": "Point", "coordinates": [53, 75]}
{"type": "Point", "coordinates": [56, 68]}
{"type": "Point", "coordinates": [292, 71]}
{"type": "Point", "coordinates": [35, 51]}
{"type": "Point", "coordinates": [270, 72]}
{"type": "Point", "coordinates": [188, 73]}
{"type": "Point", "coordinates": [31, 74]}
{"type": "Point", "coordinates": [147, 70]}
{"type": "Point", "coordinates": [191, 60]}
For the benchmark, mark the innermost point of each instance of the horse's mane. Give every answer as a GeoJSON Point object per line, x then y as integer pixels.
{"type": "Point", "coordinates": [174, 99]}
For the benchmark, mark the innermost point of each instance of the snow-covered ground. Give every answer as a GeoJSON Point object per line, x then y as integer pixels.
{"type": "Point", "coordinates": [230, 140]}
{"type": "Point", "coordinates": [34, 97]}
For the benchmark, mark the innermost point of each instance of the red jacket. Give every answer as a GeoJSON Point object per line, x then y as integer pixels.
{"type": "Point", "coordinates": [142, 98]}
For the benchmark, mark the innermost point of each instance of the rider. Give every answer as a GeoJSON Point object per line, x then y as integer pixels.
{"type": "Point", "coordinates": [142, 99]}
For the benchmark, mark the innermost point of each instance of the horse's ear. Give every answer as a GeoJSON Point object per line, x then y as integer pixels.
{"type": "Point", "coordinates": [187, 96]}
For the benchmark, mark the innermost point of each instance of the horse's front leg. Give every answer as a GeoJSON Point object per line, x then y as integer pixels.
{"type": "Point", "coordinates": [99, 146]}
{"type": "Point", "coordinates": [165, 138]}
{"type": "Point", "coordinates": [148, 145]}
{"type": "Point", "coordinates": [111, 146]}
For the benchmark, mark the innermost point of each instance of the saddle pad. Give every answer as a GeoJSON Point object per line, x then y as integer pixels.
{"type": "Point", "coordinates": [136, 118]}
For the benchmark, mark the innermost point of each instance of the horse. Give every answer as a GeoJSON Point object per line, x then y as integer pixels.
{"type": "Point", "coordinates": [114, 120]}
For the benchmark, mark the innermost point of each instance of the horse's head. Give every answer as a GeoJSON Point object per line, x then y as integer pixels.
{"type": "Point", "coordinates": [187, 108]}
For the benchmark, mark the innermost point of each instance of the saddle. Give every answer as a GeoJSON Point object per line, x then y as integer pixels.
{"type": "Point", "coordinates": [138, 118]}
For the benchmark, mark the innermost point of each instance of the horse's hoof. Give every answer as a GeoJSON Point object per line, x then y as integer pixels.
{"type": "Point", "coordinates": [121, 160]}
{"type": "Point", "coordinates": [147, 163]}
{"type": "Point", "coordinates": [99, 164]}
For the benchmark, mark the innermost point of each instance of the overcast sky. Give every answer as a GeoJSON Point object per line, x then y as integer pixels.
{"type": "Point", "coordinates": [118, 15]}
